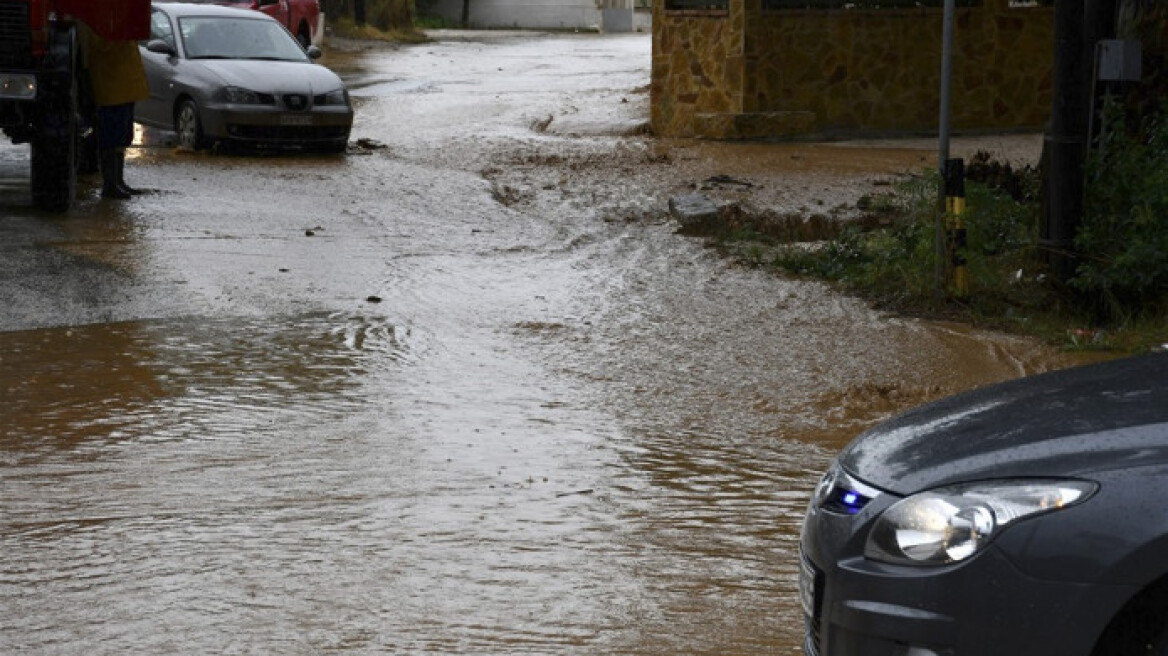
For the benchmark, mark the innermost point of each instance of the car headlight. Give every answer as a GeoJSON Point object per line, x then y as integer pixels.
{"type": "Point", "coordinates": [338, 97]}
{"type": "Point", "coordinates": [948, 525]}
{"type": "Point", "coordinates": [241, 96]}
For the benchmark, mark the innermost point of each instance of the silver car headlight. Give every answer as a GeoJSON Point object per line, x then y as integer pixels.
{"type": "Point", "coordinates": [338, 97]}
{"type": "Point", "coordinates": [241, 96]}
{"type": "Point", "coordinates": [951, 524]}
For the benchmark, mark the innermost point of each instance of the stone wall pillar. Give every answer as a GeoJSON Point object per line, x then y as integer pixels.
{"type": "Point", "coordinates": [698, 64]}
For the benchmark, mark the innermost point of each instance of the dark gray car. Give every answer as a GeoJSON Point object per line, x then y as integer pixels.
{"type": "Point", "coordinates": [219, 73]}
{"type": "Point", "coordinates": [1028, 518]}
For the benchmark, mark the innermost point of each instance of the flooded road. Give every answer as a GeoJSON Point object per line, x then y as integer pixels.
{"type": "Point", "coordinates": [468, 393]}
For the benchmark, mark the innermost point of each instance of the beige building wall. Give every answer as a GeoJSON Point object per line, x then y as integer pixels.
{"type": "Point", "coordinates": [748, 72]}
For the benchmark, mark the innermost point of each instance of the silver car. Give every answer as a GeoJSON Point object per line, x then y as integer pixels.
{"type": "Point", "coordinates": [218, 73]}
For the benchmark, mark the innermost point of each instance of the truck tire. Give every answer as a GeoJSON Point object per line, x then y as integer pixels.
{"type": "Point", "coordinates": [54, 174]}
{"type": "Point", "coordinates": [87, 146]}
{"type": "Point", "coordinates": [54, 146]}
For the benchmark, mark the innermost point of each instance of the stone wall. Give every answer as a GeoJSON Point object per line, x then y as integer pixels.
{"type": "Point", "coordinates": [697, 66]}
{"type": "Point", "coordinates": [755, 73]}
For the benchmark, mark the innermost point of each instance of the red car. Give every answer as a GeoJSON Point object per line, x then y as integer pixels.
{"type": "Point", "coordinates": [303, 18]}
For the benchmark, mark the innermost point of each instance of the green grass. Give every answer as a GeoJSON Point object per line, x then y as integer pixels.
{"type": "Point", "coordinates": [893, 265]}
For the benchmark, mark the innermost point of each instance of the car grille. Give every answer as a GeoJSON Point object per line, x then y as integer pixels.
{"type": "Point", "coordinates": [296, 101]}
{"type": "Point", "coordinates": [289, 133]}
{"type": "Point", "coordinates": [15, 36]}
{"type": "Point", "coordinates": [814, 620]}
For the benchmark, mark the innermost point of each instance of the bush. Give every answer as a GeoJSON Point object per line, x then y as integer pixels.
{"type": "Point", "coordinates": [895, 263]}
{"type": "Point", "coordinates": [385, 15]}
{"type": "Point", "coordinates": [1123, 241]}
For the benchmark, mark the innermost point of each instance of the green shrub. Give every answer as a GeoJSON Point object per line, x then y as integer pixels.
{"type": "Point", "coordinates": [384, 15]}
{"type": "Point", "coordinates": [1121, 282]}
{"type": "Point", "coordinates": [1123, 240]}
{"type": "Point", "coordinates": [896, 261]}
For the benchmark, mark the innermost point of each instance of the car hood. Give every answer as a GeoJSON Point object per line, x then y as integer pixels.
{"type": "Point", "coordinates": [272, 76]}
{"type": "Point", "coordinates": [1065, 423]}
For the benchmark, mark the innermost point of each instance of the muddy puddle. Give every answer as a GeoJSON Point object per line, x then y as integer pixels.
{"type": "Point", "coordinates": [469, 393]}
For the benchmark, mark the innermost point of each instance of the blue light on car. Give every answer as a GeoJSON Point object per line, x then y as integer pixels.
{"type": "Point", "coordinates": [846, 502]}
{"type": "Point", "coordinates": [853, 502]}
{"type": "Point", "coordinates": [840, 493]}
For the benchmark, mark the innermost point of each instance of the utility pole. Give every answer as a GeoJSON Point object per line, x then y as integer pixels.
{"type": "Point", "coordinates": [940, 265]}
{"type": "Point", "coordinates": [1065, 142]}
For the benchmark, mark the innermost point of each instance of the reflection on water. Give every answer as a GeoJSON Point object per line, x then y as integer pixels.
{"type": "Point", "coordinates": [162, 380]}
{"type": "Point", "coordinates": [335, 482]}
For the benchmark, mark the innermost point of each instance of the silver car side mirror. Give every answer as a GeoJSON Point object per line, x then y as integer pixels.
{"type": "Point", "coordinates": [161, 47]}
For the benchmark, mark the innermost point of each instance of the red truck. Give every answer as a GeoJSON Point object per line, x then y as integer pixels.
{"type": "Point", "coordinates": [44, 100]}
{"type": "Point", "coordinates": [303, 18]}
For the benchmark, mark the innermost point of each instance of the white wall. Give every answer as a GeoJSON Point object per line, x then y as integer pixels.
{"type": "Point", "coordinates": [524, 14]}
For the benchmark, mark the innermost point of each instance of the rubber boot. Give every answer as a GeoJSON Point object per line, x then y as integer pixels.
{"type": "Point", "coordinates": [121, 168]}
{"type": "Point", "coordinates": [109, 175]}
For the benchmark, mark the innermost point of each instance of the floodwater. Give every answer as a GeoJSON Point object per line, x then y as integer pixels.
{"type": "Point", "coordinates": [466, 393]}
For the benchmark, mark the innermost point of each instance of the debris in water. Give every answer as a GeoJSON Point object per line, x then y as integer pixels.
{"type": "Point", "coordinates": [370, 144]}
{"type": "Point", "coordinates": [574, 493]}
{"type": "Point", "coordinates": [693, 210]}
{"type": "Point", "coordinates": [723, 179]}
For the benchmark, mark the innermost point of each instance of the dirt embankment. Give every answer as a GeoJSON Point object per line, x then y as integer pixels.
{"type": "Point", "coordinates": [791, 191]}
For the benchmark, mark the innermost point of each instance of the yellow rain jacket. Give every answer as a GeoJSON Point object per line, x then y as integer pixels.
{"type": "Point", "coordinates": [115, 70]}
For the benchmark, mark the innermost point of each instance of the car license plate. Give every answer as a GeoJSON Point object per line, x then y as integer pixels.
{"type": "Point", "coordinates": [295, 119]}
{"type": "Point", "coordinates": [807, 586]}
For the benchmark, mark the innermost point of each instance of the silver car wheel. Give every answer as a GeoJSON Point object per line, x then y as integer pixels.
{"type": "Point", "coordinates": [188, 127]}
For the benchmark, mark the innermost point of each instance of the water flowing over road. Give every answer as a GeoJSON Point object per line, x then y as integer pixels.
{"type": "Point", "coordinates": [466, 393]}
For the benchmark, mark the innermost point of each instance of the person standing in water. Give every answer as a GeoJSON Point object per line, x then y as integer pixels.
{"type": "Point", "coordinates": [118, 80]}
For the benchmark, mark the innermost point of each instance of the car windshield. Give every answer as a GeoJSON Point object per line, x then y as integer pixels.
{"type": "Point", "coordinates": [207, 37]}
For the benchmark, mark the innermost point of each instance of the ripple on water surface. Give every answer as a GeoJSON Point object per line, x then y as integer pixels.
{"type": "Point", "coordinates": [302, 485]}
{"type": "Point", "coordinates": [162, 380]}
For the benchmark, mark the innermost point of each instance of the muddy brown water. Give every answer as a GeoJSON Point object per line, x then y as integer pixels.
{"type": "Point", "coordinates": [441, 422]}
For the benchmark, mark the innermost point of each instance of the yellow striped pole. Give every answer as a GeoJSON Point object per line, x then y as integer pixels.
{"type": "Point", "coordinates": [955, 235]}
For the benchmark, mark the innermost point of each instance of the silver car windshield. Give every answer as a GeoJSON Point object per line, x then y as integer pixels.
{"type": "Point", "coordinates": [206, 37]}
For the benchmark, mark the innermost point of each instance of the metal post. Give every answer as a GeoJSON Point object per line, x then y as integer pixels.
{"type": "Point", "coordinates": [1065, 140]}
{"type": "Point", "coordinates": [955, 234]}
{"type": "Point", "coordinates": [943, 137]}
